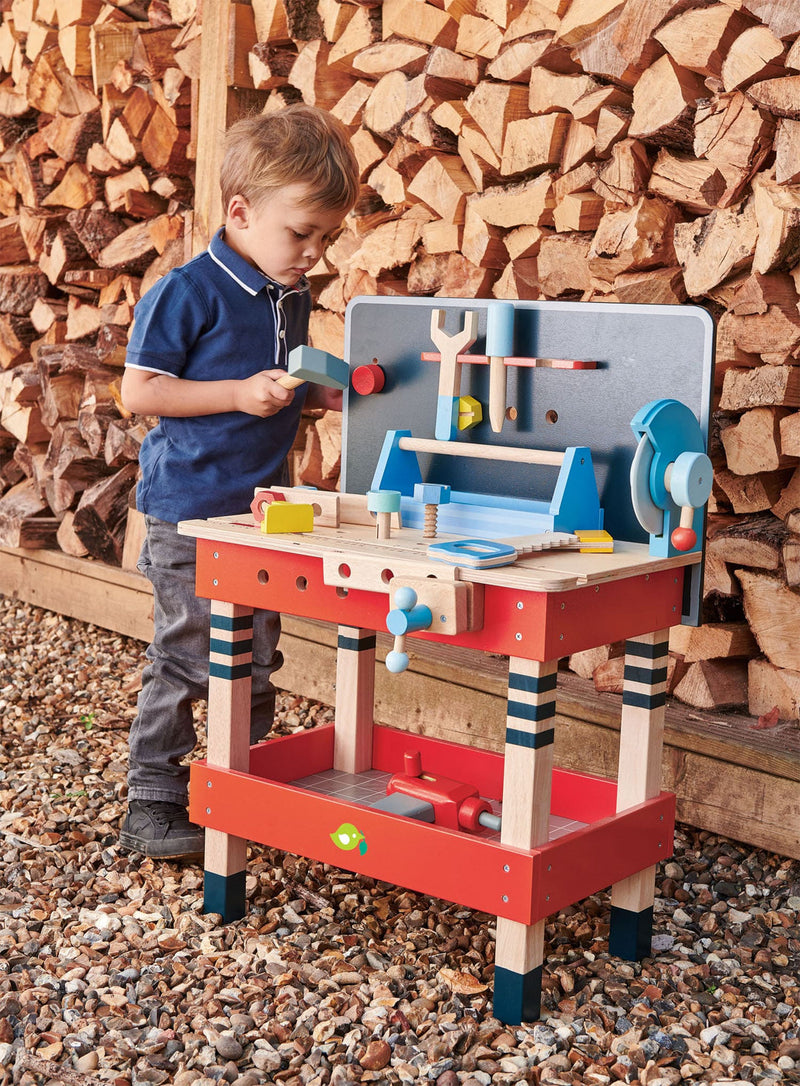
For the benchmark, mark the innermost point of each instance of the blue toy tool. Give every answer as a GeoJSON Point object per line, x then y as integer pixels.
{"type": "Point", "coordinates": [476, 553]}
{"type": "Point", "coordinates": [450, 347]}
{"type": "Point", "coordinates": [406, 617]}
{"type": "Point", "coordinates": [499, 347]}
{"type": "Point", "coordinates": [671, 476]}
{"type": "Point", "coordinates": [574, 501]}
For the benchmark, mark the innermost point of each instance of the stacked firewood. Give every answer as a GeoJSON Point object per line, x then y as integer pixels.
{"type": "Point", "coordinates": [94, 193]}
{"type": "Point", "coordinates": [626, 150]}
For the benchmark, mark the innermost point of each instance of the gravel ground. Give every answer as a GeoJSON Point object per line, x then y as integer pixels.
{"type": "Point", "coordinates": [110, 972]}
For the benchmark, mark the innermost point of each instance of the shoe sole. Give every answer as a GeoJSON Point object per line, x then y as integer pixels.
{"type": "Point", "coordinates": [153, 852]}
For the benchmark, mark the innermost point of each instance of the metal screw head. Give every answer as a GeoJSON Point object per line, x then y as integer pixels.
{"type": "Point", "coordinates": [520, 605]}
{"type": "Point", "coordinates": [518, 636]}
{"type": "Point", "coordinates": [216, 554]}
{"type": "Point", "coordinates": [215, 582]}
{"type": "Point", "coordinates": [505, 897]}
{"type": "Point", "coordinates": [506, 867]}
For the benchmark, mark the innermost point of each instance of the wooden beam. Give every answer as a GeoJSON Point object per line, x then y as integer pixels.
{"type": "Point", "coordinates": [219, 103]}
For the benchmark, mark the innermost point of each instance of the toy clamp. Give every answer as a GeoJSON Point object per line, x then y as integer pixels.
{"type": "Point", "coordinates": [406, 617]}
{"type": "Point", "coordinates": [671, 476]}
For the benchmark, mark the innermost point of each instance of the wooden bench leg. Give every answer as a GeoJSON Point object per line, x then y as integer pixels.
{"type": "Point", "coordinates": [639, 779]}
{"type": "Point", "coordinates": [355, 700]}
{"type": "Point", "coordinates": [527, 778]}
{"type": "Point", "coordinates": [229, 689]}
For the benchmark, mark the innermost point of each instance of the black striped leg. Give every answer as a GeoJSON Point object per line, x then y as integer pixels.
{"type": "Point", "coordinates": [528, 769]}
{"type": "Point", "coordinates": [229, 687]}
{"type": "Point", "coordinates": [639, 779]}
{"type": "Point", "coordinates": [355, 700]}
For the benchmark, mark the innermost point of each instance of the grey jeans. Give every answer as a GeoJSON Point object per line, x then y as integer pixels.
{"type": "Point", "coordinates": [163, 733]}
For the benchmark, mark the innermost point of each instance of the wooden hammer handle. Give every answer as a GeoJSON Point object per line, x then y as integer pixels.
{"type": "Point", "coordinates": [290, 382]}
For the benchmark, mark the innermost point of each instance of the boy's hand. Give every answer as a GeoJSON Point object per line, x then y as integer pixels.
{"type": "Point", "coordinates": [262, 395]}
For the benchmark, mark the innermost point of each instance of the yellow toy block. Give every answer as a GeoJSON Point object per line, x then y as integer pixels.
{"type": "Point", "coordinates": [287, 517]}
{"type": "Point", "coordinates": [595, 541]}
{"type": "Point", "coordinates": [470, 412]}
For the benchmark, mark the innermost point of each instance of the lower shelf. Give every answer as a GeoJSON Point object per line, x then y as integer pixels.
{"type": "Point", "coordinates": [474, 870]}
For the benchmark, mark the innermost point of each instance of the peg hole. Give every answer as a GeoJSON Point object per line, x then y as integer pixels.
{"type": "Point", "coordinates": [342, 592]}
{"type": "Point", "coordinates": [301, 584]}
{"type": "Point", "coordinates": [344, 570]}
{"type": "Point", "coordinates": [387, 575]}
{"type": "Point", "coordinates": [263, 576]}
{"type": "Point", "coordinates": [552, 417]}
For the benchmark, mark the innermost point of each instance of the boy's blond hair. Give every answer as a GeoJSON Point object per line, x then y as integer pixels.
{"type": "Point", "coordinates": [298, 144]}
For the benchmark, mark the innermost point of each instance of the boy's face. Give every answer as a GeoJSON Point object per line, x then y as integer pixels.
{"type": "Point", "coordinates": [282, 235]}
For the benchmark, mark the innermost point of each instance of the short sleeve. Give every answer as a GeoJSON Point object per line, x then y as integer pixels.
{"type": "Point", "coordinates": [168, 321]}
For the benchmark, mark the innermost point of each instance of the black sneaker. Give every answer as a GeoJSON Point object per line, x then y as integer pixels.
{"type": "Point", "coordinates": [161, 830]}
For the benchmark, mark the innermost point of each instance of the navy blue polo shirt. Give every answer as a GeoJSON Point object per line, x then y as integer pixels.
{"type": "Point", "coordinates": [216, 318]}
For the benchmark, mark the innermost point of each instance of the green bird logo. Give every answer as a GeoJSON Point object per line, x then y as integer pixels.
{"type": "Point", "coordinates": [348, 837]}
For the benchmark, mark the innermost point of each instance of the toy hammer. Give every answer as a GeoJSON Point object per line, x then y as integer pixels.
{"type": "Point", "coordinates": [319, 367]}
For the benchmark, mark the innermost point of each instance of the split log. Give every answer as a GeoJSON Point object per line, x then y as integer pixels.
{"type": "Point", "coordinates": [714, 685]}
{"type": "Point", "coordinates": [624, 178]}
{"type": "Point", "coordinates": [773, 611]}
{"type": "Point", "coordinates": [66, 538]}
{"type": "Point", "coordinates": [753, 444]}
{"type": "Point", "coordinates": [711, 249]}
{"type": "Point", "coordinates": [584, 663]}
{"type": "Point", "coordinates": [791, 561]}
{"type": "Point", "coordinates": [752, 493]}
{"type": "Point", "coordinates": [756, 542]}
{"type": "Point", "coordinates": [701, 40]}
{"type": "Point", "coordinates": [789, 500]}
{"type": "Point", "coordinates": [712, 641]}
{"type": "Point", "coordinates": [533, 143]}
{"type": "Point", "coordinates": [778, 217]}
{"type": "Point", "coordinates": [639, 237]}
{"type": "Point", "coordinates": [763, 386]}
{"type": "Point", "coordinates": [101, 513]}
{"type": "Point", "coordinates": [780, 97]}
{"type": "Point", "coordinates": [770, 687]}
{"type": "Point", "coordinates": [664, 101]}
{"type": "Point", "coordinates": [696, 184]}
{"type": "Point", "coordinates": [23, 518]}
{"type": "Point", "coordinates": [526, 203]}
{"type": "Point", "coordinates": [787, 151]}
{"type": "Point", "coordinates": [443, 184]}
{"type": "Point", "coordinates": [736, 136]}
{"type": "Point", "coordinates": [756, 55]}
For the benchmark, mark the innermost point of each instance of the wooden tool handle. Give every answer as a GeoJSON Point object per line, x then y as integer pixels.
{"type": "Point", "coordinates": [483, 452]}
{"type": "Point", "coordinates": [289, 382]}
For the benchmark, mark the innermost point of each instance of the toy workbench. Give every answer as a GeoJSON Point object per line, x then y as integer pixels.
{"type": "Point", "coordinates": [528, 479]}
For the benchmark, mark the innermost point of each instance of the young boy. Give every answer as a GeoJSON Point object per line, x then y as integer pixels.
{"type": "Point", "coordinates": [209, 341]}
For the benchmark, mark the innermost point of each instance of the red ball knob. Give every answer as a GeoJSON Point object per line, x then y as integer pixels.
{"type": "Point", "coordinates": [683, 539]}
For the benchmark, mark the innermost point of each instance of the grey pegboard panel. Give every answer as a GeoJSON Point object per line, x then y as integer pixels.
{"type": "Point", "coordinates": [643, 353]}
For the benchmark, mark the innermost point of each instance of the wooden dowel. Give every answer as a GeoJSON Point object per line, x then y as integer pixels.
{"type": "Point", "coordinates": [483, 452]}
